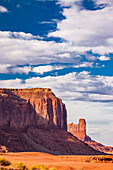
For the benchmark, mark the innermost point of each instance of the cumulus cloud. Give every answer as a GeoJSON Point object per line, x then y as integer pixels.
{"type": "Point", "coordinates": [84, 64]}
{"type": "Point", "coordinates": [20, 70]}
{"type": "Point", "coordinates": [104, 58]}
{"type": "Point", "coordinates": [73, 86]}
{"type": "Point", "coordinates": [21, 48]}
{"type": "Point", "coordinates": [4, 68]}
{"type": "Point", "coordinates": [66, 3]}
{"type": "Point", "coordinates": [78, 29]}
{"type": "Point", "coordinates": [18, 35]}
{"type": "Point", "coordinates": [46, 68]}
{"type": "Point", "coordinates": [7, 68]}
{"type": "Point", "coordinates": [110, 2]}
{"type": "Point", "coordinates": [3, 9]}
{"type": "Point", "coordinates": [86, 28]}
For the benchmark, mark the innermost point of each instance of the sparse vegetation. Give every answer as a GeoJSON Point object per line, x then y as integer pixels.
{"type": "Point", "coordinates": [21, 166]}
{"type": "Point", "coordinates": [100, 159]}
{"type": "Point", "coordinates": [18, 165]}
{"type": "Point", "coordinates": [52, 168]}
{"type": "Point", "coordinates": [39, 167]}
{"type": "Point", "coordinates": [4, 162]}
{"type": "Point", "coordinates": [94, 161]}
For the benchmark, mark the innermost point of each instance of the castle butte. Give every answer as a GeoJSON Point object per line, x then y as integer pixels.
{"type": "Point", "coordinates": [35, 120]}
{"type": "Point", "coordinates": [79, 130]}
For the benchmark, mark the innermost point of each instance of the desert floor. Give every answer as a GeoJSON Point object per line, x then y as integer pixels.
{"type": "Point", "coordinates": [67, 162]}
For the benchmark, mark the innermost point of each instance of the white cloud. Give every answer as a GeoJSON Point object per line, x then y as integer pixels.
{"type": "Point", "coordinates": [85, 28]}
{"type": "Point", "coordinates": [23, 51]}
{"type": "Point", "coordinates": [84, 64]}
{"type": "Point", "coordinates": [18, 35]}
{"type": "Point", "coordinates": [21, 48]}
{"type": "Point", "coordinates": [20, 70]}
{"type": "Point", "coordinates": [3, 9]}
{"type": "Point", "coordinates": [104, 58]}
{"type": "Point", "coordinates": [15, 83]}
{"type": "Point", "coordinates": [66, 3]}
{"type": "Point", "coordinates": [98, 2]}
{"type": "Point", "coordinates": [79, 29]}
{"type": "Point", "coordinates": [46, 68]}
{"type": "Point", "coordinates": [64, 55]}
{"type": "Point", "coordinates": [73, 86]}
{"type": "Point", "coordinates": [4, 68]}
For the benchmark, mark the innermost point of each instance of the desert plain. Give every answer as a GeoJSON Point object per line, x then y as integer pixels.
{"type": "Point", "coordinates": [60, 162]}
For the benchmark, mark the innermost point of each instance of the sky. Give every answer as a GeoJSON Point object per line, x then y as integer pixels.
{"type": "Point", "coordinates": [65, 45]}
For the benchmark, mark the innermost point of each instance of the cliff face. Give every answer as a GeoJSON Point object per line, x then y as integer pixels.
{"type": "Point", "coordinates": [78, 130]}
{"type": "Point", "coordinates": [20, 108]}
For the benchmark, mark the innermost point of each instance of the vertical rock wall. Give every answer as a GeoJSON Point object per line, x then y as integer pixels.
{"type": "Point", "coordinates": [20, 108]}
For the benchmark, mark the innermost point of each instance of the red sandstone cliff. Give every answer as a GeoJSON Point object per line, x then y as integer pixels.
{"type": "Point", "coordinates": [79, 130]}
{"type": "Point", "coordinates": [20, 108]}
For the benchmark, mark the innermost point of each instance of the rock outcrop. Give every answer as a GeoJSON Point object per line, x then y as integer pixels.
{"type": "Point", "coordinates": [20, 108]}
{"type": "Point", "coordinates": [79, 130]}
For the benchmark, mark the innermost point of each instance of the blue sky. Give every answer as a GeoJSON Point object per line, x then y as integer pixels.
{"type": "Point", "coordinates": [66, 45]}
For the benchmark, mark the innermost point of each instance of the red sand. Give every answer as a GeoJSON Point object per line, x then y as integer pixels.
{"type": "Point", "coordinates": [67, 162]}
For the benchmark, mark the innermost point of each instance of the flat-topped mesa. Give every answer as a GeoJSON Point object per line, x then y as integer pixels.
{"type": "Point", "coordinates": [20, 108]}
{"type": "Point", "coordinates": [78, 130]}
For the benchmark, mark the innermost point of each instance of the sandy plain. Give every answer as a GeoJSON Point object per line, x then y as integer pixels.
{"type": "Point", "coordinates": [65, 162]}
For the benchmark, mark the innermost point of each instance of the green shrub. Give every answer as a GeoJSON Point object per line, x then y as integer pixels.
{"type": "Point", "coordinates": [92, 157]}
{"type": "Point", "coordinates": [39, 167]}
{"type": "Point", "coordinates": [52, 168]}
{"type": "Point", "coordinates": [94, 161]}
{"type": "Point", "coordinates": [19, 165]}
{"type": "Point", "coordinates": [4, 162]}
{"type": "Point", "coordinates": [86, 160]}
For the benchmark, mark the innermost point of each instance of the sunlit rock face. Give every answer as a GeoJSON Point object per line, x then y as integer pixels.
{"type": "Point", "coordinates": [78, 130]}
{"type": "Point", "coordinates": [20, 108]}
